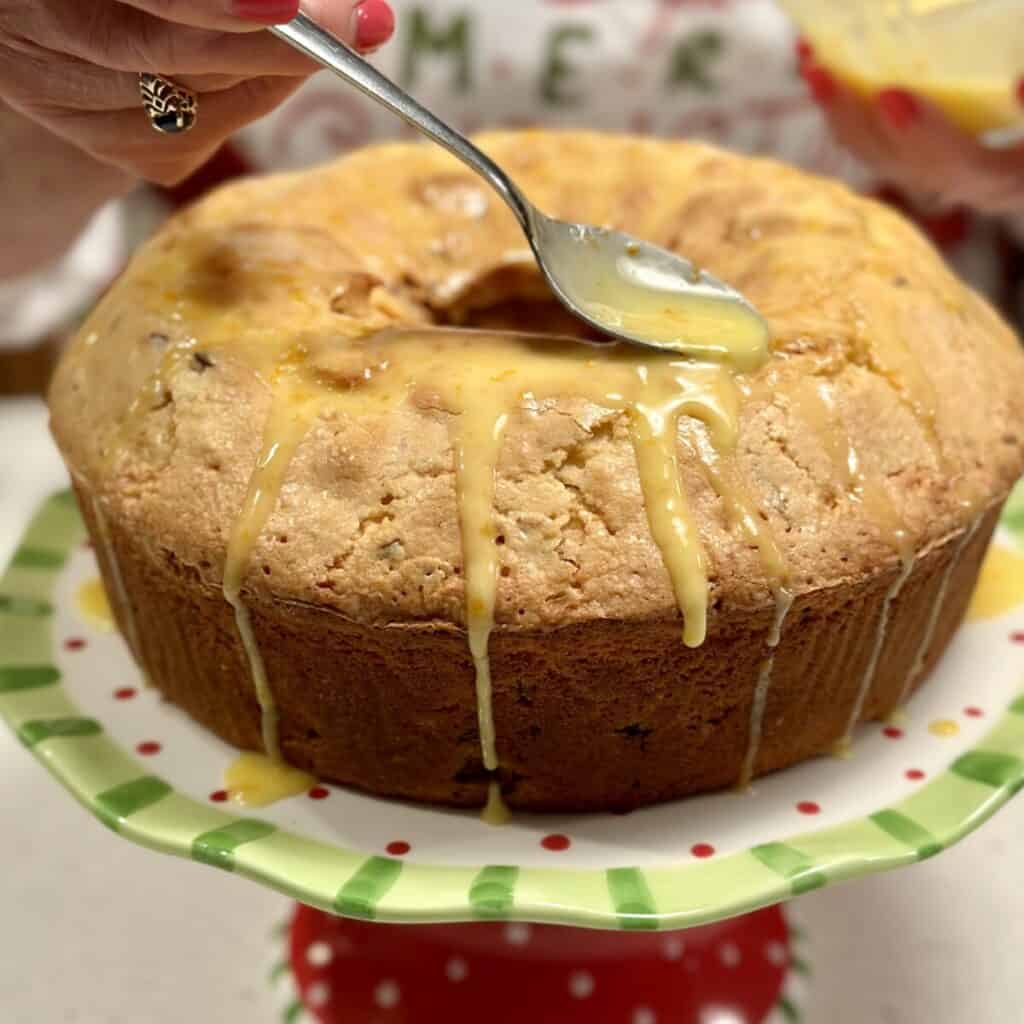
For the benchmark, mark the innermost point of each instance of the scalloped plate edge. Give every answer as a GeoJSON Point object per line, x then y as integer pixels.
{"type": "Point", "coordinates": [145, 809]}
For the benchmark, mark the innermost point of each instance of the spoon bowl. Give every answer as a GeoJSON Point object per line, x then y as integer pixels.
{"type": "Point", "coordinates": [646, 295]}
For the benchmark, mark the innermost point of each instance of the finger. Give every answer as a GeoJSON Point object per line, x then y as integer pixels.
{"type": "Point", "coordinates": [372, 19]}
{"type": "Point", "coordinates": [372, 22]}
{"type": "Point", "coordinates": [73, 187]}
{"type": "Point", "coordinates": [913, 124]}
{"type": "Point", "coordinates": [955, 164]}
{"type": "Point", "coordinates": [125, 139]}
{"type": "Point", "coordinates": [911, 142]}
{"type": "Point", "coordinates": [221, 15]}
{"type": "Point", "coordinates": [862, 123]}
{"type": "Point", "coordinates": [38, 85]}
{"type": "Point", "coordinates": [855, 124]}
{"type": "Point", "coordinates": [124, 38]}
{"type": "Point", "coordinates": [849, 114]}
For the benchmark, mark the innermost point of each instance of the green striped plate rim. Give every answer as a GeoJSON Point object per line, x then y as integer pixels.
{"type": "Point", "coordinates": [147, 810]}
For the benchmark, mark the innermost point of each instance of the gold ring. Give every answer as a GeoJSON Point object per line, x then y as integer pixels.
{"type": "Point", "coordinates": [171, 109]}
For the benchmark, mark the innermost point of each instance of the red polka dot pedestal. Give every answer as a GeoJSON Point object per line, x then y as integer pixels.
{"type": "Point", "coordinates": [341, 971]}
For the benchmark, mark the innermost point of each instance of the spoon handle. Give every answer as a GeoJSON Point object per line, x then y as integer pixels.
{"type": "Point", "coordinates": [307, 36]}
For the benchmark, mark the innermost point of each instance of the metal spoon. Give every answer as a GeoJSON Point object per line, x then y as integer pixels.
{"type": "Point", "coordinates": [620, 285]}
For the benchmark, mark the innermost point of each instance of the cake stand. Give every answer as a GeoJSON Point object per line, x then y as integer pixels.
{"type": "Point", "coordinates": [695, 884]}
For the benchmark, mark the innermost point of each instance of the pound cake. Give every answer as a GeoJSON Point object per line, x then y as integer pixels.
{"type": "Point", "coordinates": [352, 509]}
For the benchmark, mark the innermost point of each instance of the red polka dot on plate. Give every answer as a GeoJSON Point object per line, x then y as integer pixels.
{"type": "Point", "coordinates": [149, 747]}
{"type": "Point", "coordinates": [914, 774]}
{"type": "Point", "coordinates": [319, 793]}
{"type": "Point", "coordinates": [125, 693]}
{"type": "Point", "coordinates": [804, 51]}
{"type": "Point", "coordinates": [893, 732]}
{"type": "Point", "coordinates": [399, 848]}
{"type": "Point", "coordinates": [702, 850]}
{"type": "Point", "coordinates": [1017, 636]}
{"type": "Point", "coordinates": [556, 843]}
{"type": "Point", "coordinates": [808, 807]}
{"type": "Point", "coordinates": [218, 796]}
{"type": "Point", "coordinates": [973, 712]}
{"type": "Point", "coordinates": [74, 643]}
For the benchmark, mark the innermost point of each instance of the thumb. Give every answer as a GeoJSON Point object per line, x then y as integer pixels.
{"type": "Point", "coordinates": [364, 24]}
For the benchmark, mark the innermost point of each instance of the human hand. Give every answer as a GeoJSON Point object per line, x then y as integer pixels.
{"type": "Point", "coordinates": [914, 145]}
{"type": "Point", "coordinates": [73, 67]}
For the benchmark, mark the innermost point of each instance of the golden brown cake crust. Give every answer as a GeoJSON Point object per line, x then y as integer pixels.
{"type": "Point", "coordinates": [595, 716]}
{"type": "Point", "coordinates": [355, 584]}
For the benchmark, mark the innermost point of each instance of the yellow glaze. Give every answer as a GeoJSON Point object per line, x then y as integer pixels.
{"type": "Point", "coordinates": [92, 604]}
{"type": "Point", "coordinates": [627, 291]}
{"type": "Point", "coordinates": [495, 811]}
{"type": "Point", "coordinates": [783, 603]}
{"type": "Point", "coordinates": [814, 402]}
{"type": "Point", "coordinates": [944, 727]}
{"type": "Point", "coordinates": [936, 610]}
{"type": "Point", "coordinates": [106, 548]}
{"type": "Point", "coordinates": [289, 420]}
{"type": "Point", "coordinates": [481, 378]}
{"type": "Point", "coordinates": [695, 325]}
{"type": "Point", "coordinates": [256, 780]}
{"type": "Point", "coordinates": [1000, 586]}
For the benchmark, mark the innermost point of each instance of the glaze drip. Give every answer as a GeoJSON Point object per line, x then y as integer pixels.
{"type": "Point", "coordinates": [480, 379]}
{"type": "Point", "coordinates": [120, 595]}
{"type": "Point", "coordinates": [814, 402]}
{"type": "Point", "coordinates": [783, 603]}
{"type": "Point", "coordinates": [495, 812]}
{"type": "Point", "coordinates": [477, 438]}
{"type": "Point", "coordinates": [936, 611]}
{"type": "Point", "coordinates": [291, 415]}
{"type": "Point", "coordinates": [258, 780]}
{"type": "Point", "coordinates": [92, 604]}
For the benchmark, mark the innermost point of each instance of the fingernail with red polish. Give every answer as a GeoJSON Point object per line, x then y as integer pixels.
{"type": "Point", "coordinates": [821, 83]}
{"type": "Point", "coordinates": [899, 107]}
{"type": "Point", "coordinates": [373, 24]}
{"type": "Point", "coordinates": [1020, 90]}
{"type": "Point", "coordinates": [269, 12]}
{"type": "Point", "coordinates": [804, 51]}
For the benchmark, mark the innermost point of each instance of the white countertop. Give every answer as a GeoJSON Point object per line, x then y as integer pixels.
{"type": "Point", "coordinates": [938, 943]}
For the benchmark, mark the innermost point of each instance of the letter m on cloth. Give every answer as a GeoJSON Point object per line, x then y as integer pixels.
{"type": "Point", "coordinates": [451, 40]}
